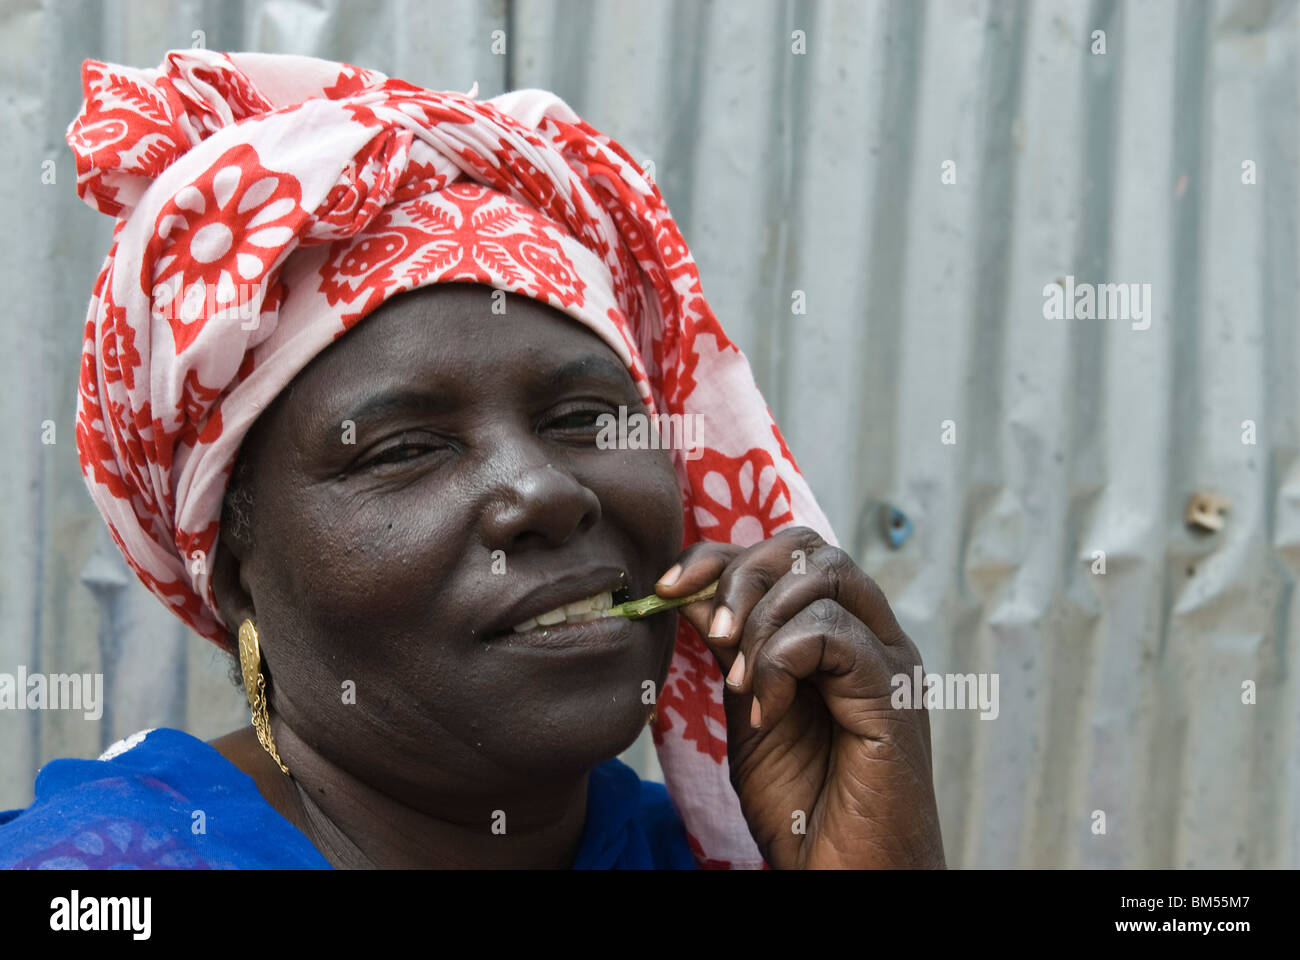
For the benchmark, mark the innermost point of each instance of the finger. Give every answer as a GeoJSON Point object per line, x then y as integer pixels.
{"type": "Point", "coordinates": [849, 585]}
{"type": "Point", "coordinates": [751, 575]}
{"type": "Point", "coordinates": [826, 643]}
{"type": "Point", "coordinates": [696, 567]}
{"type": "Point", "coordinates": [699, 614]}
{"type": "Point", "coordinates": [828, 573]}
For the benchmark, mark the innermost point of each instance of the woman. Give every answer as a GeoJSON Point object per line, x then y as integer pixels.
{"type": "Point", "coordinates": [392, 541]}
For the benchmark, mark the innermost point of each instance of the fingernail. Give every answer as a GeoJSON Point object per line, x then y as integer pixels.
{"type": "Point", "coordinates": [721, 626]}
{"type": "Point", "coordinates": [756, 715]}
{"type": "Point", "coordinates": [737, 673]}
{"type": "Point", "coordinates": [669, 578]}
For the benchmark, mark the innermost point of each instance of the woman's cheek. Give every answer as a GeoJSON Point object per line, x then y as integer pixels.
{"type": "Point", "coordinates": [662, 502]}
{"type": "Point", "coordinates": [380, 561]}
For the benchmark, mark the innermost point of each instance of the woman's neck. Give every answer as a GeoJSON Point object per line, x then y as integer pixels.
{"type": "Point", "coordinates": [356, 826]}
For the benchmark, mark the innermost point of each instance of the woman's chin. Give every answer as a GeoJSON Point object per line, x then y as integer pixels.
{"type": "Point", "coordinates": [584, 742]}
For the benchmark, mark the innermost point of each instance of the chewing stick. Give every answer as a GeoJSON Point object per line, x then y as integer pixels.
{"type": "Point", "coordinates": [636, 609]}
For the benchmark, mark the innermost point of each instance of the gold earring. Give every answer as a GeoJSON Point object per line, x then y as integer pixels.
{"type": "Point", "coordinates": [653, 714]}
{"type": "Point", "coordinates": [250, 665]}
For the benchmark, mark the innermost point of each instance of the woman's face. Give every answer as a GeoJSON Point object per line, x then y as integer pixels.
{"type": "Point", "coordinates": [393, 556]}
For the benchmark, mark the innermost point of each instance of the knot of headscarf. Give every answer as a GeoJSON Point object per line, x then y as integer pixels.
{"type": "Point", "coordinates": [265, 204]}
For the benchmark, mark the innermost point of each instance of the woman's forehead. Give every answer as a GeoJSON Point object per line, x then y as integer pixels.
{"type": "Point", "coordinates": [451, 335]}
{"type": "Point", "coordinates": [457, 317]}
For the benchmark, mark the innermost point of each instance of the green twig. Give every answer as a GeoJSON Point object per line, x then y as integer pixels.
{"type": "Point", "coordinates": [636, 609]}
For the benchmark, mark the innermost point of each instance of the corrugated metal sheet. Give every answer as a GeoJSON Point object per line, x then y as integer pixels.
{"type": "Point", "coordinates": [822, 172]}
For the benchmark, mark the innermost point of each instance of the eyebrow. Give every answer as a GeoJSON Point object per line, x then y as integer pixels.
{"type": "Point", "coordinates": [400, 401]}
{"type": "Point", "coordinates": [592, 368]}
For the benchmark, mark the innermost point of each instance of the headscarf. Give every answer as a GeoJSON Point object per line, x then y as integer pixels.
{"type": "Point", "coordinates": [265, 204]}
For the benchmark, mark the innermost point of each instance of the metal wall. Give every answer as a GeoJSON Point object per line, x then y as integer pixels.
{"type": "Point", "coordinates": [823, 171]}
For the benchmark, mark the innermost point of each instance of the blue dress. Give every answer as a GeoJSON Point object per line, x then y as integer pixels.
{"type": "Point", "coordinates": [162, 799]}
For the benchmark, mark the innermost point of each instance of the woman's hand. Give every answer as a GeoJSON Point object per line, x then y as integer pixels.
{"type": "Point", "coordinates": [833, 775]}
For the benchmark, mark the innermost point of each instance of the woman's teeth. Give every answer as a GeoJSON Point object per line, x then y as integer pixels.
{"type": "Point", "coordinates": [580, 611]}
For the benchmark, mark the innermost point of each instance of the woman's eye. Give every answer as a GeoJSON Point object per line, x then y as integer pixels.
{"type": "Point", "coordinates": [400, 453]}
{"type": "Point", "coordinates": [578, 420]}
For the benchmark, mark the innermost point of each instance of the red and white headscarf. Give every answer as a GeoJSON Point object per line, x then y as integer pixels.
{"type": "Point", "coordinates": [265, 204]}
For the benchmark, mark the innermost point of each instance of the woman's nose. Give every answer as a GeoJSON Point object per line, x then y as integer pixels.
{"type": "Point", "coordinates": [538, 501]}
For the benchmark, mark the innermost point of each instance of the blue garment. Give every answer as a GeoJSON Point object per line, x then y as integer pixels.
{"type": "Point", "coordinates": [164, 799]}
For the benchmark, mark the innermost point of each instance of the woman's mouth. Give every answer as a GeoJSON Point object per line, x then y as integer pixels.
{"type": "Point", "coordinates": [578, 626]}
{"type": "Point", "coordinates": [579, 611]}
{"type": "Point", "coordinates": [600, 636]}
